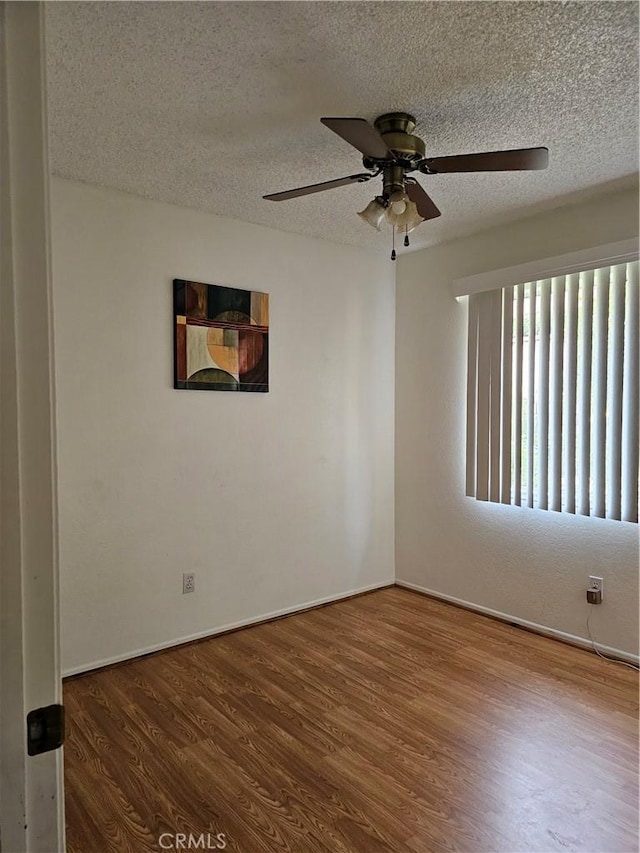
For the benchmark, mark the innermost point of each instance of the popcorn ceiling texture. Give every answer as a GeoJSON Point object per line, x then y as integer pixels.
{"type": "Point", "coordinates": [212, 105]}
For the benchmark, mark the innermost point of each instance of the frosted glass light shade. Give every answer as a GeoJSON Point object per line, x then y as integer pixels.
{"type": "Point", "coordinates": [398, 202]}
{"type": "Point", "coordinates": [373, 214]}
{"type": "Point", "coordinates": [407, 220]}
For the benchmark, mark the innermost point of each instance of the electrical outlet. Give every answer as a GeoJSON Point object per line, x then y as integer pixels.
{"type": "Point", "coordinates": [594, 590]}
{"type": "Point", "coordinates": [596, 584]}
{"type": "Point", "coordinates": [188, 582]}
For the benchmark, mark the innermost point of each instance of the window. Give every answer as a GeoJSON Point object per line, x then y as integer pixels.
{"type": "Point", "coordinates": [552, 393]}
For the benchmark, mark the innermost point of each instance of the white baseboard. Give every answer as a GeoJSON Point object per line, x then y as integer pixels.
{"type": "Point", "coordinates": [222, 629]}
{"type": "Point", "coordinates": [572, 639]}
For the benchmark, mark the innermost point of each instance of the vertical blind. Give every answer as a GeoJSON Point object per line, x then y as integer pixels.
{"type": "Point", "coordinates": [552, 394]}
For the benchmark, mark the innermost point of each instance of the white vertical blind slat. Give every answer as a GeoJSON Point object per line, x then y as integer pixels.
{"type": "Point", "coordinates": [543, 393]}
{"type": "Point", "coordinates": [585, 336]}
{"type": "Point", "coordinates": [630, 437]}
{"type": "Point", "coordinates": [570, 392]}
{"type": "Point", "coordinates": [531, 388]}
{"type": "Point", "coordinates": [556, 375]}
{"type": "Point", "coordinates": [599, 391]}
{"type": "Point", "coordinates": [483, 407]}
{"type": "Point", "coordinates": [495, 418]}
{"type": "Point", "coordinates": [472, 395]}
{"type": "Point", "coordinates": [517, 395]}
{"type": "Point", "coordinates": [614, 392]}
{"type": "Point", "coordinates": [506, 310]}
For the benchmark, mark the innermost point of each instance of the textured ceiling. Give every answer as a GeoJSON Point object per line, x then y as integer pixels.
{"type": "Point", "coordinates": [211, 105]}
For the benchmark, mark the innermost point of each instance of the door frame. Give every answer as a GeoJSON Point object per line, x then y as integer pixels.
{"type": "Point", "coordinates": [31, 787]}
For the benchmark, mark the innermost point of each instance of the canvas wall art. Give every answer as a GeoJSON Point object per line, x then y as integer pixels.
{"type": "Point", "coordinates": [221, 337]}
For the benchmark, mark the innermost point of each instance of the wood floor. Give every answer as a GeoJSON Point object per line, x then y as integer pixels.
{"type": "Point", "coordinates": [389, 722]}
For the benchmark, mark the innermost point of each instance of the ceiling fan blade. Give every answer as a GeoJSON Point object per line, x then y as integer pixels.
{"type": "Point", "coordinates": [490, 161]}
{"type": "Point", "coordinates": [426, 206]}
{"type": "Point", "coordinates": [318, 188]}
{"type": "Point", "coordinates": [359, 133]}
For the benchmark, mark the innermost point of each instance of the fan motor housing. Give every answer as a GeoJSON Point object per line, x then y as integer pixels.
{"type": "Point", "coordinates": [395, 123]}
{"type": "Point", "coordinates": [396, 130]}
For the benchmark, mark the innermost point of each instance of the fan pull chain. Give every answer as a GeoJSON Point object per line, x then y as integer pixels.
{"type": "Point", "coordinates": [406, 235]}
{"type": "Point", "coordinates": [393, 243]}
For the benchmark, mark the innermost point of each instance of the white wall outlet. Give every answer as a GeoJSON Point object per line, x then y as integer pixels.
{"type": "Point", "coordinates": [188, 582]}
{"type": "Point", "coordinates": [596, 584]}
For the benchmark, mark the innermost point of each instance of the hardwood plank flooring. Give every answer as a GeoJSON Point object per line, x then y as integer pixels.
{"type": "Point", "coordinates": [386, 723]}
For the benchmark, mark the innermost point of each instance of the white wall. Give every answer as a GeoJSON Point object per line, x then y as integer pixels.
{"type": "Point", "coordinates": [274, 500]}
{"type": "Point", "coordinates": [526, 563]}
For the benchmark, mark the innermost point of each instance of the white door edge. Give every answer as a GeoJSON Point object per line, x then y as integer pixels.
{"type": "Point", "coordinates": [31, 787]}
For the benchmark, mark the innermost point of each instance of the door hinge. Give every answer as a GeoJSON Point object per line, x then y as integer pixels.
{"type": "Point", "coordinates": [45, 729]}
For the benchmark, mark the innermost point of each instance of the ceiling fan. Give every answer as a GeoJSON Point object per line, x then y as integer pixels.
{"type": "Point", "coordinates": [390, 149]}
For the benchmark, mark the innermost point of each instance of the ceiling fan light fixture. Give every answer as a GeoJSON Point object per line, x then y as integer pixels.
{"type": "Point", "coordinates": [374, 213]}
{"type": "Point", "coordinates": [391, 150]}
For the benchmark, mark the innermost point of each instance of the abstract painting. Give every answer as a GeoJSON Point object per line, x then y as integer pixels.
{"type": "Point", "coordinates": [221, 337]}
